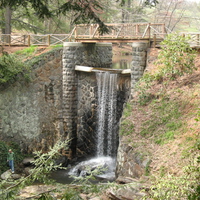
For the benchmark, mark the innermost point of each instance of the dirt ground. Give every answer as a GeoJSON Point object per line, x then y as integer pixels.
{"type": "Point", "coordinates": [117, 49]}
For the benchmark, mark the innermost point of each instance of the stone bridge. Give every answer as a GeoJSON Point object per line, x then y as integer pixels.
{"type": "Point", "coordinates": [60, 100]}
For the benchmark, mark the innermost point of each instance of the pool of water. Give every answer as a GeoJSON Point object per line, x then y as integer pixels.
{"type": "Point", "coordinates": [121, 62]}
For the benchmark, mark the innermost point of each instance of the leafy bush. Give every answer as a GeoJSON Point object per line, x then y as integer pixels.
{"type": "Point", "coordinates": [186, 186]}
{"type": "Point", "coordinates": [11, 67]}
{"type": "Point", "coordinates": [44, 164]}
{"type": "Point", "coordinates": [176, 57]}
{"type": "Point", "coordinates": [4, 151]}
{"type": "Point", "coordinates": [71, 194]}
{"type": "Point", "coordinates": [3, 157]}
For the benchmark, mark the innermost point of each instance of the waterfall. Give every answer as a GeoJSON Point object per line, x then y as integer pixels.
{"type": "Point", "coordinates": [106, 125]}
{"type": "Point", "coordinates": [106, 130]}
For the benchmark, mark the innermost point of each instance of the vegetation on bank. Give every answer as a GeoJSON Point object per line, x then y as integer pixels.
{"type": "Point", "coordinates": [4, 147]}
{"type": "Point", "coordinates": [169, 118]}
{"type": "Point", "coordinates": [167, 109]}
{"type": "Point", "coordinates": [18, 65]}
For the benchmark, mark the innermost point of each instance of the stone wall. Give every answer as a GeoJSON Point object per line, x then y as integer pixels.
{"type": "Point", "coordinates": [129, 162]}
{"type": "Point", "coordinates": [74, 53]}
{"type": "Point", "coordinates": [31, 112]}
{"type": "Point", "coordinates": [87, 108]}
{"type": "Point", "coordinates": [56, 104]}
{"type": "Point", "coordinates": [138, 63]}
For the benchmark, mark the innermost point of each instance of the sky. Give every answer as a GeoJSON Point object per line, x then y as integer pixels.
{"type": "Point", "coordinates": [194, 0]}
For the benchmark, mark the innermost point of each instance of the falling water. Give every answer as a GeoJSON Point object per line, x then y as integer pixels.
{"type": "Point", "coordinates": [107, 101]}
{"type": "Point", "coordinates": [107, 136]}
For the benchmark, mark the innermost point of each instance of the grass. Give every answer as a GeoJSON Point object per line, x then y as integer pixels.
{"type": "Point", "coordinates": [126, 128]}
{"type": "Point", "coordinates": [27, 51]}
{"type": "Point", "coordinates": [127, 111]}
{"type": "Point", "coordinates": [165, 117]}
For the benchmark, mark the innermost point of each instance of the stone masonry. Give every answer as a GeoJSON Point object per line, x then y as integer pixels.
{"type": "Point", "coordinates": [56, 104]}
{"type": "Point", "coordinates": [97, 55]}
{"type": "Point", "coordinates": [138, 63]}
{"type": "Point", "coordinates": [31, 112]}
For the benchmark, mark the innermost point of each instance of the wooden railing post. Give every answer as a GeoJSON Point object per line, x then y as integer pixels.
{"type": "Point", "coordinates": [154, 41]}
{"type": "Point", "coordinates": [163, 28]}
{"type": "Point", "coordinates": [197, 39]}
{"type": "Point", "coordinates": [49, 40]}
{"type": "Point", "coordinates": [75, 32]}
{"type": "Point", "coordinates": [29, 40]}
{"type": "Point", "coordinates": [137, 29]}
{"type": "Point", "coordinates": [149, 30]}
{"type": "Point", "coordinates": [9, 39]}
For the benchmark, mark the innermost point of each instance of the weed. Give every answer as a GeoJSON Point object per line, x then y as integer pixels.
{"type": "Point", "coordinates": [127, 111]}
{"type": "Point", "coordinates": [11, 67]}
{"type": "Point", "coordinates": [56, 46]}
{"type": "Point", "coordinates": [71, 194]}
{"type": "Point", "coordinates": [147, 168]}
{"type": "Point", "coordinates": [27, 51]}
{"type": "Point", "coordinates": [126, 127]}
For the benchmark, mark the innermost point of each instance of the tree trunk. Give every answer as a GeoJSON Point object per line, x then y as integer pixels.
{"type": "Point", "coordinates": [8, 14]}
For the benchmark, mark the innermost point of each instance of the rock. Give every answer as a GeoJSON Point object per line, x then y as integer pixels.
{"type": "Point", "coordinates": [6, 175]}
{"type": "Point", "coordinates": [63, 160]}
{"type": "Point", "coordinates": [129, 192]}
{"type": "Point", "coordinates": [15, 176]}
{"type": "Point", "coordinates": [125, 180]}
{"type": "Point", "coordinates": [130, 163]}
{"type": "Point", "coordinates": [27, 170]}
{"type": "Point", "coordinates": [28, 161]}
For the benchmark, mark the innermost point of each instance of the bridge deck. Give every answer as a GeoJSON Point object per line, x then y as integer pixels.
{"type": "Point", "coordinates": [88, 33]}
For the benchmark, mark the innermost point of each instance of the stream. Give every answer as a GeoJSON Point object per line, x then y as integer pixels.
{"type": "Point", "coordinates": [86, 167]}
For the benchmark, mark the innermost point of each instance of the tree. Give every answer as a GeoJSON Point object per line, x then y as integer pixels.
{"type": "Point", "coordinates": [84, 11]}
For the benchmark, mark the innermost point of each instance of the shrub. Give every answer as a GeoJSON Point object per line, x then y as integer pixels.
{"type": "Point", "coordinates": [11, 67]}
{"type": "Point", "coordinates": [4, 147]}
{"type": "Point", "coordinates": [176, 57]}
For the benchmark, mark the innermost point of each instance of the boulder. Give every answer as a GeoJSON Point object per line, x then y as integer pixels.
{"type": "Point", "coordinates": [130, 162]}
{"type": "Point", "coordinates": [27, 170]}
{"type": "Point", "coordinates": [6, 175]}
{"type": "Point", "coordinates": [16, 176]}
{"type": "Point", "coordinates": [28, 161]}
{"type": "Point", "coordinates": [131, 191]}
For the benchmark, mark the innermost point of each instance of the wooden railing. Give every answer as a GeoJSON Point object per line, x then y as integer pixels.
{"type": "Point", "coordinates": [124, 32]}
{"type": "Point", "coordinates": [35, 40]}
{"type": "Point", "coordinates": [119, 31]}
{"type": "Point", "coordinates": [194, 40]}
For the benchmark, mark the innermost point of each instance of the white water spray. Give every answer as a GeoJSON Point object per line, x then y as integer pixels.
{"type": "Point", "coordinates": [107, 101]}
{"type": "Point", "coordinates": [107, 136]}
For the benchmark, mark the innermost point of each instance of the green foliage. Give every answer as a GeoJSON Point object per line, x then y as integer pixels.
{"type": "Point", "coordinates": [3, 158]}
{"type": "Point", "coordinates": [11, 67]}
{"type": "Point", "coordinates": [147, 168]}
{"type": "Point", "coordinates": [44, 164]}
{"type": "Point", "coordinates": [127, 110]}
{"type": "Point", "coordinates": [142, 87]}
{"type": "Point", "coordinates": [176, 57]}
{"type": "Point", "coordinates": [27, 51]}
{"type": "Point", "coordinates": [57, 46]}
{"type": "Point", "coordinates": [46, 196]}
{"type": "Point", "coordinates": [165, 114]}
{"type": "Point", "coordinates": [4, 147]}
{"type": "Point", "coordinates": [187, 186]}
{"type": "Point", "coordinates": [126, 127]}
{"type": "Point", "coordinates": [71, 194]}
{"type": "Point", "coordinates": [85, 11]}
